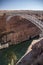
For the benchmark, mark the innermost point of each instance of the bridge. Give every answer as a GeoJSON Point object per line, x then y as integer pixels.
{"type": "Point", "coordinates": [33, 19]}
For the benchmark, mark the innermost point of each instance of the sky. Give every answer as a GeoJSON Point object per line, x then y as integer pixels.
{"type": "Point", "coordinates": [21, 4]}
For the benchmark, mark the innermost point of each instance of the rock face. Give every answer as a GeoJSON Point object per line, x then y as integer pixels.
{"type": "Point", "coordinates": [23, 29]}
{"type": "Point", "coordinates": [38, 49]}
{"type": "Point", "coordinates": [35, 56]}
{"type": "Point", "coordinates": [2, 23]}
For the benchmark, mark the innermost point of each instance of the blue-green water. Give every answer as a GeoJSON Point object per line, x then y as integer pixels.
{"type": "Point", "coordinates": [18, 50]}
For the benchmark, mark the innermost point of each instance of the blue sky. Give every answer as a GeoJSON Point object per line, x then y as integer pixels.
{"type": "Point", "coordinates": [21, 4]}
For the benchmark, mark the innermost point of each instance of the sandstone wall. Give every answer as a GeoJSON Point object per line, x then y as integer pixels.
{"type": "Point", "coordinates": [23, 29]}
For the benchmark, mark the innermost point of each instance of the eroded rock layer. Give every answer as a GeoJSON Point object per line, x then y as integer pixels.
{"type": "Point", "coordinates": [22, 28]}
